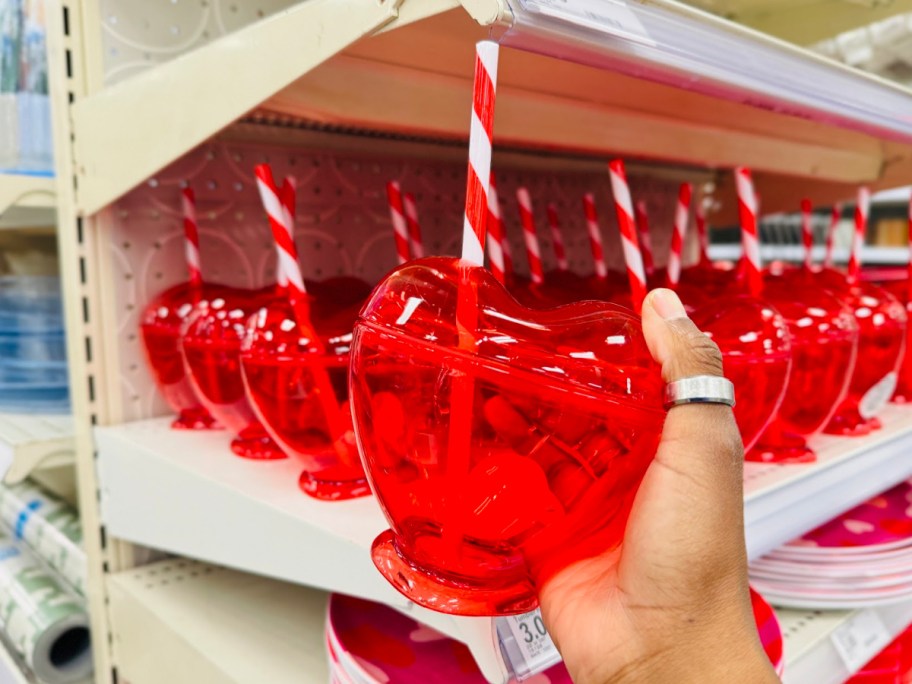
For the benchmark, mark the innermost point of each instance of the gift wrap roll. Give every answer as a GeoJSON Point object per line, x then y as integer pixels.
{"type": "Point", "coordinates": [41, 616]}
{"type": "Point", "coordinates": [49, 526]}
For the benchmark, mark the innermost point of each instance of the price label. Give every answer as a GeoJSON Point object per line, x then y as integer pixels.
{"type": "Point", "coordinates": [860, 639]}
{"type": "Point", "coordinates": [527, 644]}
{"type": "Point", "coordinates": [877, 397]}
{"type": "Point", "coordinates": [607, 16]}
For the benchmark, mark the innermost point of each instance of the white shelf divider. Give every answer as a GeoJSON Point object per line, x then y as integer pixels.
{"type": "Point", "coordinates": [31, 442]}
{"type": "Point", "coordinates": [184, 492]}
{"type": "Point", "coordinates": [810, 640]}
{"type": "Point", "coordinates": [782, 502]}
{"type": "Point", "coordinates": [183, 622]}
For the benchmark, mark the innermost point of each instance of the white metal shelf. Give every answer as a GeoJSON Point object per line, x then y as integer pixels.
{"type": "Point", "coordinates": [810, 640]}
{"type": "Point", "coordinates": [782, 502]}
{"type": "Point", "coordinates": [795, 253]}
{"type": "Point", "coordinates": [27, 201]}
{"type": "Point", "coordinates": [31, 442]}
{"type": "Point", "coordinates": [184, 492]}
{"type": "Point", "coordinates": [184, 622]}
{"type": "Point", "coordinates": [717, 94]}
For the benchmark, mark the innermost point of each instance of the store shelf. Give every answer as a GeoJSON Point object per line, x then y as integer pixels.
{"type": "Point", "coordinates": [184, 622]}
{"type": "Point", "coordinates": [185, 493]}
{"type": "Point", "coordinates": [795, 253]}
{"type": "Point", "coordinates": [811, 637]}
{"type": "Point", "coordinates": [27, 201]}
{"type": "Point", "coordinates": [782, 502]}
{"type": "Point", "coordinates": [30, 442]}
{"type": "Point", "coordinates": [682, 86]}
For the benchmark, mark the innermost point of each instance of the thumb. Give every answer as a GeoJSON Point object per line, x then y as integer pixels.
{"type": "Point", "coordinates": [701, 440]}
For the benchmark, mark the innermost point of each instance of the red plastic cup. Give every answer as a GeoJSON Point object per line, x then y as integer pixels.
{"type": "Point", "coordinates": [160, 330]}
{"type": "Point", "coordinates": [824, 347]}
{"type": "Point", "coordinates": [756, 356]}
{"type": "Point", "coordinates": [903, 393]}
{"type": "Point", "coordinates": [882, 329]}
{"type": "Point", "coordinates": [280, 369]}
{"type": "Point", "coordinates": [502, 455]}
{"type": "Point", "coordinates": [212, 354]}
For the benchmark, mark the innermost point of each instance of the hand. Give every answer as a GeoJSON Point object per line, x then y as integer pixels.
{"type": "Point", "coordinates": [672, 603]}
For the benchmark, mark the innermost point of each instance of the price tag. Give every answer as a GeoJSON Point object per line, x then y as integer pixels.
{"type": "Point", "coordinates": [877, 397]}
{"type": "Point", "coordinates": [860, 639]}
{"type": "Point", "coordinates": [607, 16]}
{"type": "Point", "coordinates": [527, 644]}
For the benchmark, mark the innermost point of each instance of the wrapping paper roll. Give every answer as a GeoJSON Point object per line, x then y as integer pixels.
{"type": "Point", "coordinates": [42, 618]}
{"type": "Point", "coordinates": [49, 526]}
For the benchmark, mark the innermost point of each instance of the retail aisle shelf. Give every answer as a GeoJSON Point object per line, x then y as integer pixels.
{"type": "Point", "coordinates": [658, 79]}
{"type": "Point", "coordinates": [184, 492]}
{"type": "Point", "coordinates": [782, 502]}
{"type": "Point", "coordinates": [29, 442]}
{"type": "Point", "coordinates": [184, 622]}
{"type": "Point", "coordinates": [795, 253]}
{"type": "Point", "coordinates": [827, 647]}
{"type": "Point", "coordinates": [27, 201]}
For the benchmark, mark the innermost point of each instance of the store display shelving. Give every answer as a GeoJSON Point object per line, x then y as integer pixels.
{"type": "Point", "coordinates": [811, 637]}
{"type": "Point", "coordinates": [181, 492]}
{"type": "Point", "coordinates": [686, 89]}
{"type": "Point", "coordinates": [27, 201]}
{"type": "Point", "coordinates": [185, 621]}
{"type": "Point", "coordinates": [873, 256]}
{"type": "Point", "coordinates": [30, 442]}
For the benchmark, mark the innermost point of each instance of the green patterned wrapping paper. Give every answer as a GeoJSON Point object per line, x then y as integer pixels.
{"type": "Point", "coordinates": [42, 618]}
{"type": "Point", "coordinates": [49, 526]}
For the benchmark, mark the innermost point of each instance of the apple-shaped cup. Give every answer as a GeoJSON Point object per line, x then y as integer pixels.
{"type": "Point", "coordinates": [503, 448]}
{"type": "Point", "coordinates": [756, 356]}
{"type": "Point", "coordinates": [211, 344]}
{"type": "Point", "coordinates": [903, 393]}
{"type": "Point", "coordinates": [882, 323]}
{"type": "Point", "coordinates": [298, 389]}
{"type": "Point", "coordinates": [160, 327]}
{"type": "Point", "coordinates": [824, 347]}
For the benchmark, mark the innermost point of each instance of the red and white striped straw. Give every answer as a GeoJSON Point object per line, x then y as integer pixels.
{"type": "Point", "coordinates": [595, 236]}
{"type": "Point", "coordinates": [642, 224]}
{"type": "Point", "coordinates": [679, 232]}
{"type": "Point", "coordinates": [397, 217]}
{"type": "Point", "coordinates": [281, 233]}
{"type": "Point", "coordinates": [288, 195]}
{"type": "Point", "coordinates": [636, 273]}
{"type": "Point", "coordinates": [835, 217]}
{"type": "Point", "coordinates": [807, 233]}
{"type": "Point", "coordinates": [747, 210]}
{"type": "Point", "coordinates": [496, 227]}
{"type": "Point", "coordinates": [414, 227]}
{"type": "Point", "coordinates": [702, 232]}
{"type": "Point", "coordinates": [861, 227]}
{"type": "Point", "coordinates": [497, 255]}
{"type": "Point", "coordinates": [557, 237]}
{"type": "Point", "coordinates": [191, 238]}
{"type": "Point", "coordinates": [530, 236]}
{"type": "Point", "coordinates": [481, 140]}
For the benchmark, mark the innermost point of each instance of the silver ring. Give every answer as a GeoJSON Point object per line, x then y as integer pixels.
{"type": "Point", "coordinates": [700, 389]}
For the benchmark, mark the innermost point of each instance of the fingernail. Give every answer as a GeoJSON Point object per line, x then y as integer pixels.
{"type": "Point", "coordinates": [667, 304]}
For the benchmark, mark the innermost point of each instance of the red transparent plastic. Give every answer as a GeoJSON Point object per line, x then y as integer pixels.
{"type": "Point", "coordinates": [212, 352]}
{"type": "Point", "coordinates": [824, 346]}
{"type": "Point", "coordinates": [282, 373]}
{"type": "Point", "coordinates": [756, 355]}
{"type": "Point", "coordinates": [903, 393]}
{"type": "Point", "coordinates": [882, 330]}
{"type": "Point", "coordinates": [506, 454]}
{"type": "Point", "coordinates": [160, 330]}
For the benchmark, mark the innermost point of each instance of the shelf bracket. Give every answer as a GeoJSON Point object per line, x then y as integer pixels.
{"type": "Point", "coordinates": [127, 132]}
